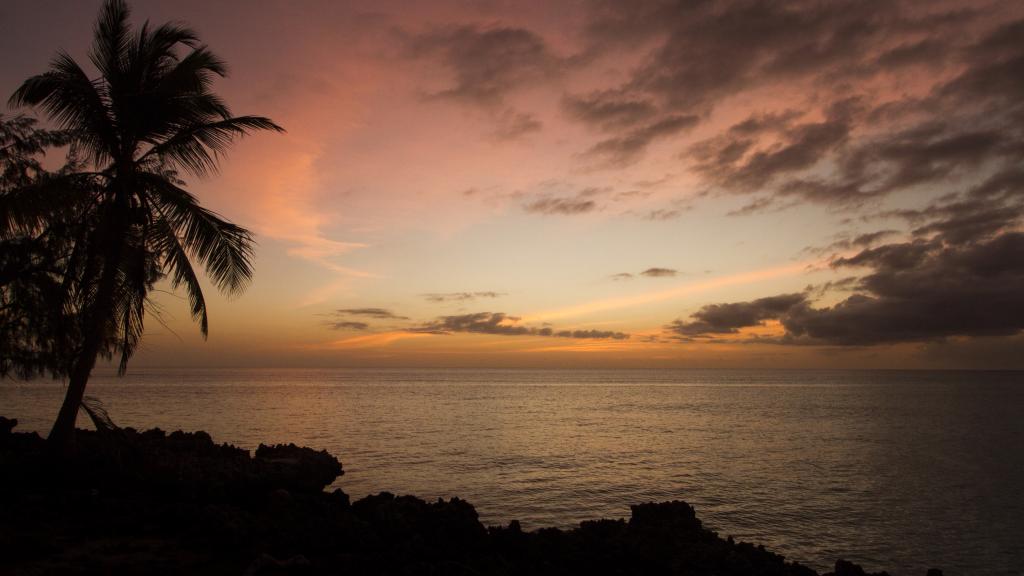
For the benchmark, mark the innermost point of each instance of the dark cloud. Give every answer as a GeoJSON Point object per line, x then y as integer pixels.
{"type": "Point", "coordinates": [486, 63]}
{"type": "Point", "coordinates": [659, 272]}
{"type": "Point", "coordinates": [649, 273]}
{"type": "Point", "coordinates": [379, 313]}
{"type": "Point", "coordinates": [626, 148]}
{"type": "Point", "coordinates": [869, 238]}
{"type": "Point", "coordinates": [663, 214]}
{"type": "Point", "coordinates": [926, 155]}
{"type": "Point", "coordinates": [962, 275]}
{"type": "Point", "coordinates": [730, 318]}
{"type": "Point", "coordinates": [502, 324]}
{"type": "Point", "coordinates": [480, 323]}
{"type": "Point", "coordinates": [1004, 184]}
{"type": "Point", "coordinates": [992, 73]}
{"type": "Point", "coordinates": [557, 205]}
{"type": "Point", "coordinates": [607, 111]}
{"type": "Point", "coordinates": [843, 143]}
{"type": "Point", "coordinates": [732, 162]}
{"type": "Point", "coordinates": [860, 241]}
{"type": "Point", "coordinates": [765, 122]}
{"type": "Point", "coordinates": [929, 51]}
{"type": "Point", "coordinates": [511, 124]}
{"type": "Point", "coordinates": [706, 50]}
{"type": "Point", "coordinates": [348, 325]}
{"type": "Point", "coordinates": [590, 334]}
{"type": "Point", "coordinates": [341, 318]}
{"type": "Point", "coordinates": [461, 296]}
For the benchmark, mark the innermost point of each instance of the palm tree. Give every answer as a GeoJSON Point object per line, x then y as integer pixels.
{"type": "Point", "coordinates": [148, 116]}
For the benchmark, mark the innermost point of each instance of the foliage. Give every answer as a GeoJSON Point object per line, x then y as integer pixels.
{"type": "Point", "coordinates": [37, 327]}
{"type": "Point", "coordinates": [118, 219]}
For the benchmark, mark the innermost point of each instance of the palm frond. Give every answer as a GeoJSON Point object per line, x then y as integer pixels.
{"type": "Point", "coordinates": [180, 270]}
{"type": "Point", "coordinates": [193, 76]}
{"type": "Point", "coordinates": [110, 40]}
{"type": "Point", "coordinates": [98, 414]}
{"type": "Point", "coordinates": [76, 103]}
{"type": "Point", "coordinates": [225, 249]}
{"type": "Point", "coordinates": [197, 149]}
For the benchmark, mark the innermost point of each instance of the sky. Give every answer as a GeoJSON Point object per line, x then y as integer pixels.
{"type": "Point", "coordinates": [642, 183]}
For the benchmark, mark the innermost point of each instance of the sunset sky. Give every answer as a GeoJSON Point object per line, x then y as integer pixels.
{"type": "Point", "coordinates": [612, 183]}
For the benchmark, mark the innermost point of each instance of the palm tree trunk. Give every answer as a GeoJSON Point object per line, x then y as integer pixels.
{"type": "Point", "coordinates": [63, 431]}
{"type": "Point", "coordinates": [97, 317]}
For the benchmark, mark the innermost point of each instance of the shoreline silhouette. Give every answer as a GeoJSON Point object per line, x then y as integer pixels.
{"type": "Point", "coordinates": [174, 503]}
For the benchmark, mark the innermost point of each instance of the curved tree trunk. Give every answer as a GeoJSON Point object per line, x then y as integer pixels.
{"type": "Point", "coordinates": [97, 320]}
{"type": "Point", "coordinates": [62, 433]}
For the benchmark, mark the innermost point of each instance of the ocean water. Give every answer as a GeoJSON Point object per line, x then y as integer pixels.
{"type": "Point", "coordinates": [894, 470]}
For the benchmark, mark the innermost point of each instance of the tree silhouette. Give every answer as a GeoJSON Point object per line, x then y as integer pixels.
{"type": "Point", "coordinates": [148, 115]}
{"type": "Point", "coordinates": [36, 328]}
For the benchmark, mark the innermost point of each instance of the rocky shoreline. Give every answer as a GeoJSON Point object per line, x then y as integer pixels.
{"type": "Point", "coordinates": [128, 502]}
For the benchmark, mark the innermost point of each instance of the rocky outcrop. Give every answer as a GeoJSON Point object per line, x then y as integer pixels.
{"type": "Point", "coordinates": [296, 468]}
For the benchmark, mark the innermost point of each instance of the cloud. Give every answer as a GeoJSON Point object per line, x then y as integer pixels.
{"type": "Point", "coordinates": [586, 334]}
{"type": "Point", "coordinates": [961, 275]}
{"type": "Point", "coordinates": [735, 161]}
{"type": "Point", "coordinates": [649, 273]}
{"type": "Point", "coordinates": [661, 214]}
{"type": "Point", "coordinates": [627, 147]}
{"type": "Point", "coordinates": [730, 318]}
{"type": "Point", "coordinates": [460, 296]}
{"type": "Point", "coordinates": [502, 324]}
{"type": "Point", "coordinates": [377, 313]}
{"type": "Point", "coordinates": [876, 98]}
{"type": "Point", "coordinates": [659, 272]}
{"type": "Point", "coordinates": [563, 206]}
{"type": "Point", "coordinates": [341, 319]}
{"type": "Point", "coordinates": [859, 241]}
{"type": "Point", "coordinates": [608, 111]}
{"type": "Point", "coordinates": [487, 63]}
{"type": "Point", "coordinates": [701, 52]}
{"type": "Point", "coordinates": [348, 325]}
{"type": "Point", "coordinates": [511, 124]}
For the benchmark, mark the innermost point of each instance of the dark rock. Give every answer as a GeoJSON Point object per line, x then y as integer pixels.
{"type": "Point", "coordinates": [6, 425]}
{"type": "Point", "coordinates": [296, 468]}
{"type": "Point", "coordinates": [847, 568]}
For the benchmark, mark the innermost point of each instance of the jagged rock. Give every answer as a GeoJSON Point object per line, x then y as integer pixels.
{"type": "Point", "coordinates": [296, 468]}
{"type": "Point", "coordinates": [847, 568]}
{"type": "Point", "coordinates": [265, 563]}
{"type": "Point", "coordinates": [7, 424]}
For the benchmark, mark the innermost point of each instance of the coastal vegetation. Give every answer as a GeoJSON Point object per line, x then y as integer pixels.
{"type": "Point", "coordinates": [85, 245]}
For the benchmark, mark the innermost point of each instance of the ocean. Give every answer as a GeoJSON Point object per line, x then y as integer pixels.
{"type": "Point", "coordinates": [895, 470]}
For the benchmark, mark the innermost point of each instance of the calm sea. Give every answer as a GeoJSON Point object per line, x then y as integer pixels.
{"type": "Point", "coordinates": [894, 470]}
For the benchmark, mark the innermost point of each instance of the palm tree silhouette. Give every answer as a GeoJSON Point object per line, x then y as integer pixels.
{"type": "Point", "coordinates": [148, 115]}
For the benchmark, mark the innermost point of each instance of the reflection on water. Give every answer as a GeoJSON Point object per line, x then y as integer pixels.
{"type": "Point", "coordinates": [894, 470]}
